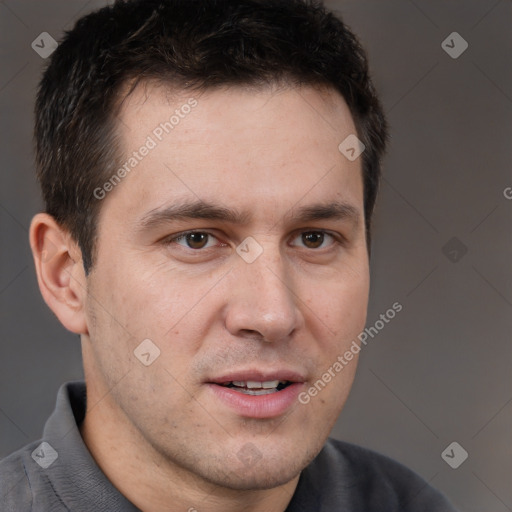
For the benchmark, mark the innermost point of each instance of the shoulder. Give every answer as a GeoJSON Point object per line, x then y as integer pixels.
{"type": "Point", "coordinates": [370, 464]}
{"type": "Point", "coordinates": [372, 480]}
{"type": "Point", "coordinates": [15, 486]}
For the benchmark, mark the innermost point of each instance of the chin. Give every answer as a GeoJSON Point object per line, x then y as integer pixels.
{"type": "Point", "coordinates": [263, 471]}
{"type": "Point", "coordinates": [257, 478]}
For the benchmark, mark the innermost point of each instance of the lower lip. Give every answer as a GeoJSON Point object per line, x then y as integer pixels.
{"type": "Point", "coordinates": [258, 406]}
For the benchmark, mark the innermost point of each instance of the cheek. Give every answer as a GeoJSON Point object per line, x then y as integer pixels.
{"type": "Point", "coordinates": [137, 297]}
{"type": "Point", "coordinates": [352, 308]}
{"type": "Point", "coordinates": [155, 300]}
{"type": "Point", "coordinates": [344, 308]}
{"type": "Point", "coordinates": [337, 307]}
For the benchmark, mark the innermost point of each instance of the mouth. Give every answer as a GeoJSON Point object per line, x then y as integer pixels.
{"type": "Point", "coordinates": [257, 394]}
{"type": "Point", "coordinates": [255, 388]}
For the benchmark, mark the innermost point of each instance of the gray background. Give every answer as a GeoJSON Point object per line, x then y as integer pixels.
{"type": "Point", "coordinates": [440, 370]}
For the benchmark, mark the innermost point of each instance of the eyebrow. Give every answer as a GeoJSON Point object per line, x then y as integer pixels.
{"type": "Point", "coordinates": [202, 210]}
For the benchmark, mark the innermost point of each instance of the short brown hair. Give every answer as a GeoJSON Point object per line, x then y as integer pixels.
{"type": "Point", "coordinates": [189, 44]}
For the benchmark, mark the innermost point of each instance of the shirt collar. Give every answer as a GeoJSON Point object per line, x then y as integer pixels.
{"type": "Point", "coordinates": [75, 476]}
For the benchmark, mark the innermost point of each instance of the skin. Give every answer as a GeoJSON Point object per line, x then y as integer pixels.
{"type": "Point", "coordinates": [156, 431]}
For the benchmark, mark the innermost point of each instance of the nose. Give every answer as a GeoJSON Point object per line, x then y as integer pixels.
{"type": "Point", "coordinates": [262, 302]}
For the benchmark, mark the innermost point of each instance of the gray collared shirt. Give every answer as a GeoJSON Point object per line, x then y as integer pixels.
{"type": "Point", "coordinates": [58, 474]}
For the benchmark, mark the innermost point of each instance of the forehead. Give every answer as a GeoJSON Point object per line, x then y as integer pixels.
{"type": "Point", "coordinates": [235, 108]}
{"type": "Point", "coordinates": [249, 148]}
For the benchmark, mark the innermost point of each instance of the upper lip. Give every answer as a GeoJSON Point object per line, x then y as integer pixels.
{"type": "Point", "coordinates": [256, 375]}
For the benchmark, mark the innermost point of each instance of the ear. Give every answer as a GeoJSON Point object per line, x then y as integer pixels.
{"type": "Point", "coordinates": [60, 271]}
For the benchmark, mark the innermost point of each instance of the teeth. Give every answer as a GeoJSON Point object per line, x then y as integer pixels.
{"type": "Point", "coordinates": [252, 384]}
{"type": "Point", "coordinates": [270, 384]}
{"type": "Point", "coordinates": [257, 391]}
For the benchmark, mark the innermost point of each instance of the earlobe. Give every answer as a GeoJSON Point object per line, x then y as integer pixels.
{"type": "Point", "coordinates": [60, 271]}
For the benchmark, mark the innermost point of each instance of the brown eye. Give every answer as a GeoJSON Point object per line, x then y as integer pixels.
{"type": "Point", "coordinates": [197, 240]}
{"type": "Point", "coordinates": [313, 239]}
{"type": "Point", "coordinates": [193, 240]}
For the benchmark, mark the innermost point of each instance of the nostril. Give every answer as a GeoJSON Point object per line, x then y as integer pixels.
{"type": "Point", "coordinates": [250, 333]}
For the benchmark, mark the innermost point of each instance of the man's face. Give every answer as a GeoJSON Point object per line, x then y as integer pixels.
{"type": "Point", "coordinates": [281, 308]}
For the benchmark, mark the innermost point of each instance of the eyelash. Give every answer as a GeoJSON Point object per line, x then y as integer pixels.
{"type": "Point", "coordinates": [337, 238]}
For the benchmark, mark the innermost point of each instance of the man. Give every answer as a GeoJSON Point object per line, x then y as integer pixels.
{"type": "Point", "coordinates": [209, 170]}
